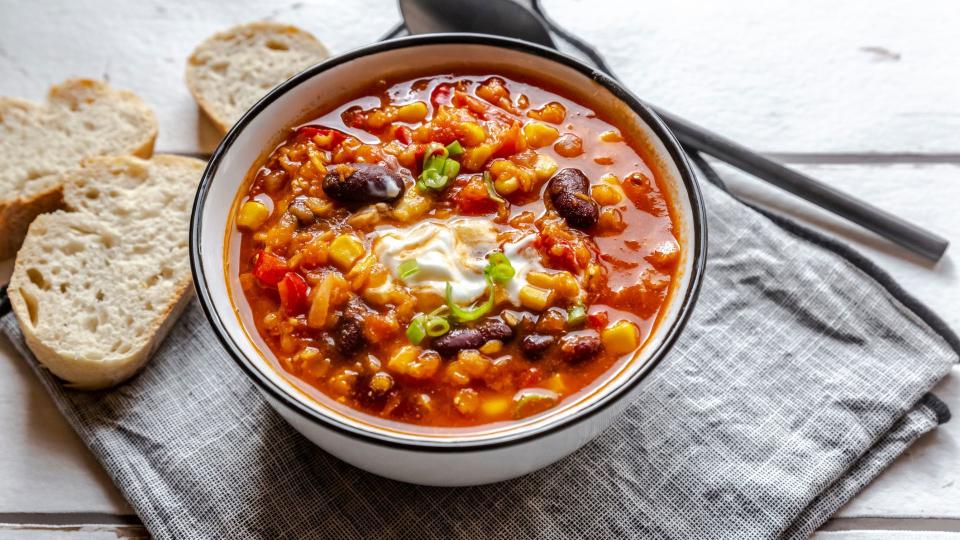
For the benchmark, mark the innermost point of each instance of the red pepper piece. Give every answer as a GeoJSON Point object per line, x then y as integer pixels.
{"type": "Point", "coordinates": [441, 94]}
{"type": "Point", "coordinates": [268, 268]}
{"type": "Point", "coordinates": [293, 293]}
{"type": "Point", "coordinates": [403, 134]}
{"type": "Point", "coordinates": [598, 320]}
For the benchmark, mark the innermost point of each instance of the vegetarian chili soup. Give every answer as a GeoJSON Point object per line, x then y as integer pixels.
{"type": "Point", "coordinates": [455, 250]}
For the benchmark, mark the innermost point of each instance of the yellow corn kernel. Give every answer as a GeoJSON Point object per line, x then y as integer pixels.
{"type": "Point", "coordinates": [473, 363]}
{"type": "Point", "coordinates": [252, 215]}
{"type": "Point", "coordinates": [505, 185]}
{"type": "Point", "coordinates": [411, 206]}
{"type": "Point", "coordinates": [535, 298]}
{"type": "Point", "coordinates": [381, 382]}
{"type": "Point", "coordinates": [562, 282]}
{"type": "Point", "coordinates": [611, 136]}
{"type": "Point", "coordinates": [412, 112]}
{"type": "Point", "coordinates": [476, 157]}
{"type": "Point", "coordinates": [342, 383]}
{"type": "Point", "coordinates": [544, 167]}
{"type": "Point", "coordinates": [467, 401]}
{"type": "Point", "coordinates": [606, 195]}
{"type": "Point", "coordinates": [413, 361]}
{"type": "Point", "coordinates": [539, 135]}
{"type": "Point", "coordinates": [472, 133]}
{"type": "Point", "coordinates": [621, 337]}
{"type": "Point", "coordinates": [555, 383]}
{"type": "Point", "coordinates": [345, 250]}
{"type": "Point", "coordinates": [611, 221]}
{"type": "Point", "coordinates": [494, 406]}
{"type": "Point", "coordinates": [493, 346]}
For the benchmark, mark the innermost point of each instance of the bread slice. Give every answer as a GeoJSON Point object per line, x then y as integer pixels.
{"type": "Point", "coordinates": [38, 142]}
{"type": "Point", "coordinates": [231, 70]}
{"type": "Point", "coordinates": [96, 287]}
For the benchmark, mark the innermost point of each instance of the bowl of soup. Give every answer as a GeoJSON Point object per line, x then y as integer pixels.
{"type": "Point", "coordinates": [448, 259]}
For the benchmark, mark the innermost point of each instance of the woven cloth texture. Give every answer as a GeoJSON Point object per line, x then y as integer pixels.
{"type": "Point", "coordinates": [798, 379]}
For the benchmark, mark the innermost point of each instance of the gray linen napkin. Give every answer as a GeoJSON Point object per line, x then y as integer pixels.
{"type": "Point", "coordinates": [799, 378]}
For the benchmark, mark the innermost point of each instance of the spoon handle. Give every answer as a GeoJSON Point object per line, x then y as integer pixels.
{"type": "Point", "coordinates": [912, 237]}
{"type": "Point", "coordinates": [923, 242]}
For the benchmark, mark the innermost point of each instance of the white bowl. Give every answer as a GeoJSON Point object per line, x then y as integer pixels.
{"type": "Point", "coordinates": [417, 454]}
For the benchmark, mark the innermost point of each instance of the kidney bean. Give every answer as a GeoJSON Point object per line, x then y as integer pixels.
{"type": "Point", "coordinates": [576, 349]}
{"type": "Point", "coordinates": [472, 338]}
{"type": "Point", "coordinates": [348, 333]}
{"type": "Point", "coordinates": [366, 184]}
{"type": "Point", "coordinates": [534, 346]}
{"type": "Point", "coordinates": [569, 192]}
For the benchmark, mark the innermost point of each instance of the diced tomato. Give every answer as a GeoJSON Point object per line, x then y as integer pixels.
{"type": "Point", "coordinates": [328, 137]}
{"type": "Point", "coordinates": [293, 293]}
{"type": "Point", "coordinates": [268, 268]}
{"type": "Point", "coordinates": [476, 106]}
{"type": "Point", "coordinates": [510, 142]}
{"type": "Point", "coordinates": [473, 199]}
{"type": "Point", "coordinates": [403, 134]}
{"type": "Point", "coordinates": [441, 94]}
{"type": "Point", "coordinates": [598, 320]}
{"type": "Point", "coordinates": [560, 253]}
{"type": "Point", "coordinates": [529, 377]}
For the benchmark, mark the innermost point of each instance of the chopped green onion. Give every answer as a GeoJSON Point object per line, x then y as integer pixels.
{"type": "Point", "coordinates": [408, 268]}
{"type": "Point", "coordinates": [491, 192]}
{"type": "Point", "coordinates": [576, 315]}
{"type": "Point", "coordinates": [451, 169]}
{"type": "Point", "coordinates": [470, 314]}
{"type": "Point", "coordinates": [454, 149]}
{"type": "Point", "coordinates": [499, 268]}
{"type": "Point", "coordinates": [437, 326]}
{"type": "Point", "coordinates": [416, 331]}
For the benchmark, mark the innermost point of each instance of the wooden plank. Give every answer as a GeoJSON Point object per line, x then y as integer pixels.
{"type": "Point", "coordinates": [817, 76]}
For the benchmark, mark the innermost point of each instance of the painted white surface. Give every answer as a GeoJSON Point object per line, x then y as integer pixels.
{"type": "Point", "coordinates": [814, 77]}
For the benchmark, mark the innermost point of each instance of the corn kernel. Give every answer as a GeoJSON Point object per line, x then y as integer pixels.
{"type": "Point", "coordinates": [621, 337]}
{"type": "Point", "coordinates": [552, 112]}
{"type": "Point", "coordinates": [494, 406]}
{"type": "Point", "coordinates": [411, 206]}
{"type": "Point", "coordinates": [539, 135]}
{"type": "Point", "coordinates": [412, 112]}
{"type": "Point", "coordinates": [342, 383]}
{"type": "Point", "coordinates": [611, 136]}
{"type": "Point", "coordinates": [467, 401]}
{"type": "Point", "coordinates": [413, 361]}
{"type": "Point", "coordinates": [476, 157]}
{"type": "Point", "coordinates": [562, 282]}
{"type": "Point", "coordinates": [544, 167]}
{"type": "Point", "coordinates": [252, 215]}
{"type": "Point", "coordinates": [606, 195]}
{"type": "Point", "coordinates": [535, 298]}
{"type": "Point", "coordinates": [472, 133]}
{"type": "Point", "coordinates": [345, 250]}
{"type": "Point", "coordinates": [555, 383]}
{"type": "Point", "coordinates": [505, 185]}
{"type": "Point", "coordinates": [381, 382]}
{"type": "Point", "coordinates": [493, 346]}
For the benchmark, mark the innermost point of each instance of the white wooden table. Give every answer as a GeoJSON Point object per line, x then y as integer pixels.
{"type": "Point", "coordinates": [865, 95]}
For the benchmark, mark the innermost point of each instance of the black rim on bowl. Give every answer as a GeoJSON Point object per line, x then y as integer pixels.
{"type": "Point", "coordinates": [453, 445]}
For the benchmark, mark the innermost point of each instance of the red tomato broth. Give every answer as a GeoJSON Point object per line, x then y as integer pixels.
{"type": "Point", "coordinates": [649, 222]}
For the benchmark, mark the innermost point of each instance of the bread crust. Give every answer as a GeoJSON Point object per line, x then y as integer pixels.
{"type": "Point", "coordinates": [208, 104]}
{"type": "Point", "coordinates": [18, 211]}
{"type": "Point", "coordinates": [109, 369]}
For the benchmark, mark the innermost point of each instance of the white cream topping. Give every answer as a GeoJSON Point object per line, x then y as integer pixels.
{"type": "Point", "coordinates": [454, 252]}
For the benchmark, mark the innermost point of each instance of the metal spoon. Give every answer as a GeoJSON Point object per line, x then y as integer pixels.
{"type": "Point", "coordinates": [510, 19]}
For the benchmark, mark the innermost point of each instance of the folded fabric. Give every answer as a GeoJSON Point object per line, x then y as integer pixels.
{"type": "Point", "coordinates": [802, 374]}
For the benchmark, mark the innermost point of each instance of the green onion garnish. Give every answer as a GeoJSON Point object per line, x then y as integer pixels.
{"type": "Point", "coordinates": [470, 314]}
{"type": "Point", "coordinates": [416, 331]}
{"type": "Point", "coordinates": [408, 268]}
{"type": "Point", "coordinates": [491, 192]}
{"type": "Point", "coordinates": [454, 149]}
{"type": "Point", "coordinates": [437, 326]}
{"type": "Point", "coordinates": [576, 315]}
{"type": "Point", "coordinates": [499, 268]}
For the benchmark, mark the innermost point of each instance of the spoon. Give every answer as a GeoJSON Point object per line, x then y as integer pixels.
{"type": "Point", "coordinates": [511, 19]}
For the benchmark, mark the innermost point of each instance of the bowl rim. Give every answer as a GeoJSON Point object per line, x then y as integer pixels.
{"type": "Point", "coordinates": [451, 444]}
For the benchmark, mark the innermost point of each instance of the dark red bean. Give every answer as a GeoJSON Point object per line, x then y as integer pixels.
{"type": "Point", "coordinates": [535, 346]}
{"type": "Point", "coordinates": [348, 333]}
{"type": "Point", "coordinates": [569, 192]}
{"type": "Point", "coordinates": [365, 184]}
{"type": "Point", "coordinates": [576, 349]}
{"type": "Point", "coordinates": [472, 338]}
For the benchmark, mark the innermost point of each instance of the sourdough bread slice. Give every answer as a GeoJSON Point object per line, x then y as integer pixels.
{"type": "Point", "coordinates": [38, 142]}
{"type": "Point", "coordinates": [231, 70]}
{"type": "Point", "coordinates": [96, 287]}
